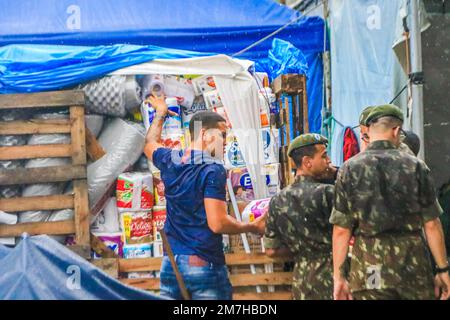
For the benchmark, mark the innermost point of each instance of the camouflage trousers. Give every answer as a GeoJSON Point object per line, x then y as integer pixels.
{"type": "Point", "coordinates": [395, 294]}
{"type": "Point", "coordinates": [391, 267]}
{"type": "Point", "coordinates": [313, 279]}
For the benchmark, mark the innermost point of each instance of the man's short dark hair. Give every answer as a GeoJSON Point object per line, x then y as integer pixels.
{"type": "Point", "coordinates": [298, 154]}
{"type": "Point", "coordinates": [208, 120]}
{"type": "Point", "coordinates": [412, 140]}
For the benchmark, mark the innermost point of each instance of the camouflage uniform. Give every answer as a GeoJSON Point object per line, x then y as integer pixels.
{"type": "Point", "coordinates": [385, 196]}
{"type": "Point", "coordinates": [298, 219]}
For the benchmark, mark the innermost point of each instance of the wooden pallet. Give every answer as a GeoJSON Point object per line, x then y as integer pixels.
{"type": "Point", "coordinates": [76, 172]}
{"type": "Point", "coordinates": [293, 87]}
{"type": "Point", "coordinates": [278, 279]}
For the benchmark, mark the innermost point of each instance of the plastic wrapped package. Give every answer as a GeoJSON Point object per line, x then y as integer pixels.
{"type": "Point", "coordinates": [94, 123]}
{"type": "Point", "coordinates": [255, 209]}
{"type": "Point", "coordinates": [134, 191]}
{"type": "Point", "coordinates": [62, 215]}
{"type": "Point", "coordinates": [112, 240]}
{"type": "Point", "coordinates": [152, 83]}
{"type": "Point", "coordinates": [112, 95]}
{"type": "Point", "coordinates": [108, 219]}
{"type": "Point", "coordinates": [137, 226]}
{"type": "Point", "coordinates": [187, 113]}
{"type": "Point", "coordinates": [123, 142]}
{"type": "Point", "coordinates": [7, 218]}
{"type": "Point", "coordinates": [44, 189]}
{"type": "Point", "coordinates": [203, 84]}
{"type": "Point", "coordinates": [10, 141]}
{"type": "Point", "coordinates": [180, 88]}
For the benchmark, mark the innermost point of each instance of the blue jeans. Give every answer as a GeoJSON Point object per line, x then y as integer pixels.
{"type": "Point", "coordinates": [208, 282]}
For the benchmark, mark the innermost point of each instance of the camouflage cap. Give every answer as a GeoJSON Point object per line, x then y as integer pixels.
{"type": "Point", "coordinates": [385, 110]}
{"type": "Point", "coordinates": [307, 139]}
{"type": "Point", "coordinates": [364, 114]}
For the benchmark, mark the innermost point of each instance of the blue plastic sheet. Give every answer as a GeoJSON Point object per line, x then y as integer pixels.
{"type": "Point", "coordinates": [284, 58]}
{"type": "Point", "coordinates": [33, 68]}
{"type": "Point", "coordinates": [40, 268]}
{"type": "Point", "coordinates": [209, 26]}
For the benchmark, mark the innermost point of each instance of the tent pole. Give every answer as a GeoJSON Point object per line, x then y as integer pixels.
{"type": "Point", "coordinates": [416, 68]}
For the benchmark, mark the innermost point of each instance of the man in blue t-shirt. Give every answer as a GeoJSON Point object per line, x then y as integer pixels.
{"type": "Point", "coordinates": [195, 181]}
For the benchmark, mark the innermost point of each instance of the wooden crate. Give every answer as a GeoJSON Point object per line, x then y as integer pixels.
{"type": "Point", "coordinates": [293, 87]}
{"type": "Point", "coordinates": [76, 171]}
{"type": "Point", "coordinates": [279, 279]}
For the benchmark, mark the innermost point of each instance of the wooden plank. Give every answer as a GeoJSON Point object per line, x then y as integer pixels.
{"type": "Point", "coordinates": [34, 228]}
{"type": "Point", "coordinates": [235, 259]}
{"type": "Point", "coordinates": [56, 202]}
{"type": "Point", "coordinates": [288, 83]}
{"type": "Point", "coordinates": [281, 295]}
{"type": "Point", "coordinates": [94, 150]}
{"type": "Point", "coordinates": [110, 266]}
{"type": "Point", "coordinates": [78, 135]}
{"type": "Point", "coordinates": [102, 250]}
{"type": "Point", "coordinates": [41, 175]}
{"type": "Point", "coordinates": [276, 278]}
{"type": "Point", "coordinates": [305, 108]}
{"type": "Point", "coordinates": [35, 126]}
{"type": "Point", "coordinates": [81, 208]}
{"type": "Point", "coordinates": [37, 151]}
{"type": "Point", "coordinates": [144, 284]}
{"type": "Point", "coordinates": [135, 265]}
{"type": "Point", "coordinates": [81, 250]}
{"type": "Point", "coordinates": [63, 98]}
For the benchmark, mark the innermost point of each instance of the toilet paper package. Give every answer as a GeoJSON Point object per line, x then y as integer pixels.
{"type": "Point", "coordinates": [108, 219]}
{"type": "Point", "coordinates": [112, 240]}
{"type": "Point", "coordinates": [160, 198]}
{"type": "Point", "coordinates": [255, 209]}
{"type": "Point", "coordinates": [159, 218]}
{"type": "Point", "coordinates": [242, 184]}
{"type": "Point", "coordinates": [137, 227]}
{"type": "Point", "coordinates": [212, 99]}
{"type": "Point", "coordinates": [203, 84]}
{"type": "Point", "coordinates": [152, 84]}
{"type": "Point", "coordinates": [134, 191]}
{"type": "Point", "coordinates": [271, 144]}
{"type": "Point", "coordinates": [180, 88]}
{"type": "Point", "coordinates": [172, 123]}
{"type": "Point", "coordinates": [187, 113]}
{"type": "Point", "coordinates": [138, 251]}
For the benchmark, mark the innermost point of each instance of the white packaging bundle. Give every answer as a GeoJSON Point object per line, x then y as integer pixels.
{"type": "Point", "coordinates": [62, 215]}
{"type": "Point", "coordinates": [271, 143]}
{"type": "Point", "coordinates": [187, 113]}
{"type": "Point", "coordinates": [108, 219]}
{"type": "Point", "coordinates": [138, 251]}
{"type": "Point", "coordinates": [44, 189]}
{"type": "Point", "coordinates": [158, 251]}
{"type": "Point", "coordinates": [134, 191]}
{"type": "Point", "coordinates": [152, 84]}
{"type": "Point", "coordinates": [123, 142]}
{"type": "Point", "coordinates": [212, 99]}
{"type": "Point", "coordinates": [203, 84]}
{"type": "Point", "coordinates": [94, 123]}
{"type": "Point", "coordinates": [112, 95]}
{"type": "Point", "coordinates": [10, 141]}
{"type": "Point", "coordinates": [7, 218]}
{"type": "Point", "coordinates": [180, 88]}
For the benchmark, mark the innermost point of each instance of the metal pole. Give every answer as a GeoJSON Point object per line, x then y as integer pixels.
{"type": "Point", "coordinates": [416, 67]}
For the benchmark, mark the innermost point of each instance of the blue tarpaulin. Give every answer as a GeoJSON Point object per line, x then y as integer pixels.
{"type": "Point", "coordinates": [209, 26]}
{"type": "Point", "coordinates": [40, 268]}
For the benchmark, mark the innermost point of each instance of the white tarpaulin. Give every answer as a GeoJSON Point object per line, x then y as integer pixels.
{"type": "Point", "coordinates": [239, 93]}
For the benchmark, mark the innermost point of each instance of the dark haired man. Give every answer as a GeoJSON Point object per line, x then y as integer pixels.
{"type": "Point", "coordinates": [195, 181]}
{"type": "Point", "coordinates": [297, 223]}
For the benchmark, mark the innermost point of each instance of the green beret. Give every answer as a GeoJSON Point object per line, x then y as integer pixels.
{"type": "Point", "coordinates": [385, 110]}
{"type": "Point", "coordinates": [364, 114]}
{"type": "Point", "coordinates": [307, 139]}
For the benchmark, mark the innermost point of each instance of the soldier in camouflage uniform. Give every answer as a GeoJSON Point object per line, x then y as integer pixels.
{"type": "Point", "coordinates": [365, 138]}
{"type": "Point", "coordinates": [384, 197]}
{"type": "Point", "coordinates": [297, 222]}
